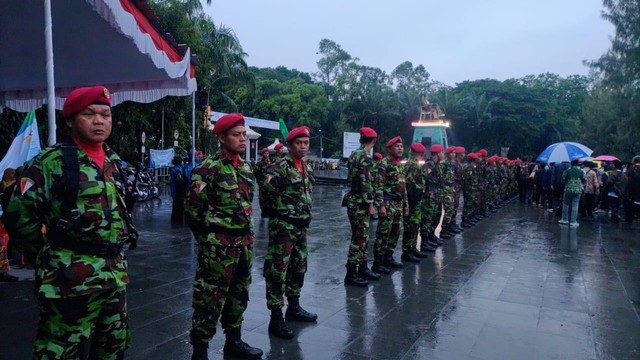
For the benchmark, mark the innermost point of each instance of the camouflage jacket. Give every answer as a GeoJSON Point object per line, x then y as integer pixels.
{"type": "Point", "coordinates": [447, 175]}
{"type": "Point", "coordinates": [288, 191]}
{"type": "Point", "coordinates": [435, 180]}
{"type": "Point", "coordinates": [220, 197]}
{"type": "Point", "coordinates": [457, 175]}
{"type": "Point", "coordinates": [416, 180]}
{"type": "Point", "coordinates": [361, 178]}
{"type": "Point", "coordinates": [37, 201]}
{"type": "Point", "coordinates": [470, 177]}
{"type": "Point", "coordinates": [261, 170]}
{"type": "Point", "coordinates": [390, 182]}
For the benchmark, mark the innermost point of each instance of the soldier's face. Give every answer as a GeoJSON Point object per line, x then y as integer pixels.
{"type": "Point", "coordinates": [299, 147]}
{"type": "Point", "coordinates": [234, 140]}
{"type": "Point", "coordinates": [397, 150]}
{"type": "Point", "coordinates": [92, 125]}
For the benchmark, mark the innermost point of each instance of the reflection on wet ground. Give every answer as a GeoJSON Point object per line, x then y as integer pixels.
{"type": "Point", "coordinates": [516, 286]}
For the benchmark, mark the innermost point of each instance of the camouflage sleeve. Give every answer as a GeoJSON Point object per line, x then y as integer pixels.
{"type": "Point", "coordinates": [380, 183]}
{"type": "Point", "coordinates": [196, 204]}
{"type": "Point", "coordinates": [365, 166]}
{"type": "Point", "coordinates": [272, 185]}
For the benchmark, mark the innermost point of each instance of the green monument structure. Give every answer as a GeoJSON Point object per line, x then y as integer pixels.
{"type": "Point", "coordinates": [431, 127]}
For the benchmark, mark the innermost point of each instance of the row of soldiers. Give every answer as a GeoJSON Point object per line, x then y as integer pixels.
{"type": "Point", "coordinates": [417, 196]}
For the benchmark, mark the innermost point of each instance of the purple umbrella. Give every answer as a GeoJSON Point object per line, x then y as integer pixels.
{"type": "Point", "coordinates": [606, 158]}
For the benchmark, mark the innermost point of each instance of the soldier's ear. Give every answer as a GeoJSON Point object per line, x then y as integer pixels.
{"type": "Point", "coordinates": [68, 121]}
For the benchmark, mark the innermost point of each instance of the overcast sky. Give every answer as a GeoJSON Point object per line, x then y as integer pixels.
{"type": "Point", "coordinates": [455, 40]}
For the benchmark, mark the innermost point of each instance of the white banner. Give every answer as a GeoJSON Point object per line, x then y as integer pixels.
{"type": "Point", "coordinates": [160, 158]}
{"type": "Point", "coordinates": [24, 147]}
{"type": "Point", "coordinates": [350, 143]}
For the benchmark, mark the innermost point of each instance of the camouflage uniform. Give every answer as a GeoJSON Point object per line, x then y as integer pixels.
{"type": "Point", "coordinates": [447, 192]}
{"type": "Point", "coordinates": [288, 202]}
{"type": "Point", "coordinates": [483, 184]}
{"type": "Point", "coordinates": [358, 200]}
{"type": "Point", "coordinates": [218, 211]}
{"type": "Point", "coordinates": [469, 190]}
{"type": "Point", "coordinates": [390, 182]}
{"type": "Point", "coordinates": [457, 187]}
{"type": "Point", "coordinates": [433, 200]}
{"type": "Point", "coordinates": [416, 186]}
{"type": "Point", "coordinates": [261, 173]}
{"type": "Point", "coordinates": [82, 298]}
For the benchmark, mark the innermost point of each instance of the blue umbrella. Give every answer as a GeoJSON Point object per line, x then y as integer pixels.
{"type": "Point", "coordinates": [564, 151]}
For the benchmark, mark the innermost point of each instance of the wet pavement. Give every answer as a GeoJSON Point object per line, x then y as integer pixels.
{"type": "Point", "coordinates": [516, 286]}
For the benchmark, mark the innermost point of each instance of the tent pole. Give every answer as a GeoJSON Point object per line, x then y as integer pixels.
{"type": "Point", "coordinates": [51, 87]}
{"type": "Point", "coordinates": [162, 139]}
{"type": "Point", "coordinates": [193, 128]}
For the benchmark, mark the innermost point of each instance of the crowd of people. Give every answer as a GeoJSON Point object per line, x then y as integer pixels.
{"type": "Point", "coordinates": [66, 213]}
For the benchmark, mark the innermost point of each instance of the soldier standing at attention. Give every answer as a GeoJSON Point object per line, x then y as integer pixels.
{"type": "Point", "coordinates": [432, 203]}
{"type": "Point", "coordinates": [261, 173]}
{"type": "Point", "coordinates": [457, 184]}
{"type": "Point", "coordinates": [279, 148]}
{"type": "Point", "coordinates": [219, 213]}
{"type": "Point", "coordinates": [391, 183]}
{"type": "Point", "coordinates": [469, 191]}
{"type": "Point", "coordinates": [448, 193]}
{"type": "Point", "coordinates": [360, 201]}
{"type": "Point", "coordinates": [416, 186]}
{"type": "Point", "coordinates": [288, 188]}
{"type": "Point", "coordinates": [76, 190]}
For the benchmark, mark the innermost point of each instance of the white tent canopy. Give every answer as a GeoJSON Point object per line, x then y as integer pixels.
{"type": "Point", "coordinates": [95, 42]}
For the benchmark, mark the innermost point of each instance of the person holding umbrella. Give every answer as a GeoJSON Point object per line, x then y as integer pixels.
{"type": "Point", "coordinates": [573, 179]}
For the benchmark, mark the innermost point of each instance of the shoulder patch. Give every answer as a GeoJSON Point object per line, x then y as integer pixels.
{"type": "Point", "coordinates": [200, 185]}
{"type": "Point", "coordinates": [25, 184]}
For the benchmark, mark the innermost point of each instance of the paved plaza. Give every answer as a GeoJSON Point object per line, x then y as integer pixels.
{"type": "Point", "coordinates": [516, 286]}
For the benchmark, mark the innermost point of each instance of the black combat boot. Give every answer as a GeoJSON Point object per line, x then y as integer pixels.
{"type": "Point", "coordinates": [445, 234]}
{"type": "Point", "coordinates": [433, 239]}
{"type": "Point", "coordinates": [420, 255]}
{"type": "Point", "coordinates": [408, 256]}
{"type": "Point", "coordinates": [366, 273]}
{"type": "Point", "coordinates": [295, 312]}
{"type": "Point", "coordinates": [426, 247]}
{"type": "Point", "coordinates": [378, 265]}
{"type": "Point", "coordinates": [454, 228]}
{"type": "Point", "coordinates": [278, 327]}
{"type": "Point", "coordinates": [199, 350]}
{"type": "Point", "coordinates": [352, 277]}
{"type": "Point", "coordinates": [465, 224]}
{"type": "Point", "coordinates": [389, 261]}
{"type": "Point", "coordinates": [234, 346]}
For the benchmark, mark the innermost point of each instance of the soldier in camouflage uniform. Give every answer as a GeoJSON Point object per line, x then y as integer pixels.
{"type": "Point", "coordinates": [448, 175]}
{"type": "Point", "coordinates": [219, 213]}
{"type": "Point", "coordinates": [469, 191]}
{"type": "Point", "coordinates": [433, 201]}
{"type": "Point", "coordinates": [457, 183]}
{"type": "Point", "coordinates": [360, 201]}
{"type": "Point", "coordinates": [483, 184]}
{"type": "Point", "coordinates": [279, 148]}
{"type": "Point", "coordinates": [390, 182]}
{"type": "Point", "coordinates": [81, 269]}
{"type": "Point", "coordinates": [260, 171]}
{"type": "Point", "coordinates": [288, 188]}
{"type": "Point", "coordinates": [416, 186]}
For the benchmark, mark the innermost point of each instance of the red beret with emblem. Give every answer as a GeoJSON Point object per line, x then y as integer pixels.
{"type": "Point", "coordinates": [483, 152]}
{"type": "Point", "coordinates": [80, 98]}
{"type": "Point", "coordinates": [227, 122]}
{"type": "Point", "coordinates": [367, 132]}
{"type": "Point", "coordinates": [300, 131]}
{"type": "Point", "coordinates": [264, 150]}
{"type": "Point", "coordinates": [472, 156]}
{"type": "Point", "coordinates": [436, 148]}
{"type": "Point", "coordinates": [394, 141]}
{"type": "Point", "coordinates": [378, 156]}
{"type": "Point", "coordinates": [416, 147]}
{"type": "Point", "coordinates": [278, 147]}
{"type": "Point", "coordinates": [460, 150]}
{"type": "Point", "coordinates": [450, 149]}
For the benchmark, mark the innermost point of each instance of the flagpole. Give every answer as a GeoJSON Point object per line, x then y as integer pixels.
{"type": "Point", "coordinates": [51, 87]}
{"type": "Point", "coordinates": [193, 128]}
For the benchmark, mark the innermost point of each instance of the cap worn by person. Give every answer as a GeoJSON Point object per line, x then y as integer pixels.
{"type": "Point", "coordinates": [80, 98]}
{"type": "Point", "coordinates": [394, 141]}
{"type": "Point", "coordinates": [227, 122]}
{"type": "Point", "coordinates": [436, 148]}
{"type": "Point", "coordinates": [199, 152]}
{"type": "Point", "coordinates": [483, 152]}
{"type": "Point", "coordinates": [367, 132]}
{"type": "Point", "coordinates": [300, 131]}
{"type": "Point", "coordinates": [450, 150]}
{"type": "Point", "coordinates": [278, 147]}
{"type": "Point", "coordinates": [460, 150]}
{"type": "Point", "coordinates": [264, 150]}
{"type": "Point", "coordinates": [378, 156]}
{"type": "Point", "coordinates": [472, 156]}
{"type": "Point", "coordinates": [491, 160]}
{"type": "Point", "coordinates": [418, 148]}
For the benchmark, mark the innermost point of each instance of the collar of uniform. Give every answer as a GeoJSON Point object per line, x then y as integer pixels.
{"type": "Point", "coordinates": [227, 160]}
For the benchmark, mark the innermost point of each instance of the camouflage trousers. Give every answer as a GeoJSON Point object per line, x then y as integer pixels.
{"type": "Point", "coordinates": [92, 326]}
{"type": "Point", "coordinates": [456, 203]}
{"type": "Point", "coordinates": [447, 205]}
{"type": "Point", "coordinates": [411, 226]}
{"type": "Point", "coordinates": [359, 218]}
{"type": "Point", "coordinates": [221, 287]}
{"type": "Point", "coordinates": [388, 230]}
{"type": "Point", "coordinates": [431, 212]}
{"type": "Point", "coordinates": [285, 263]}
{"type": "Point", "coordinates": [470, 205]}
{"type": "Point", "coordinates": [4, 260]}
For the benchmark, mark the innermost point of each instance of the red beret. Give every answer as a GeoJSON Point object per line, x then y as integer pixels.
{"type": "Point", "coordinates": [472, 156]}
{"type": "Point", "coordinates": [80, 98]}
{"type": "Point", "coordinates": [460, 150]}
{"type": "Point", "coordinates": [436, 148]}
{"type": "Point", "coordinates": [483, 152]}
{"type": "Point", "coordinates": [264, 150]}
{"type": "Point", "coordinates": [300, 131]}
{"type": "Point", "coordinates": [418, 148]}
{"type": "Point", "coordinates": [450, 149]}
{"type": "Point", "coordinates": [491, 160]}
{"type": "Point", "coordinates": [393, 141]}
{"type": "Point", "coordinates": [278, 147]}
{"type": "Point", "coordinates": [198, 152]}
{"type": "Point", "coordinates": [227, 122]}
{"type": "Point", "coordinates": [378, 156]}
{"type": "Point", "coordinates": [367, 132]}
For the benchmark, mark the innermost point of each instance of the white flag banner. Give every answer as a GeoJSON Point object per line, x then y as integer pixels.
{"type": "Point", "coordinates": [25, 146]}
{"type": "Point", "coordinates": [160, 158]}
